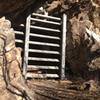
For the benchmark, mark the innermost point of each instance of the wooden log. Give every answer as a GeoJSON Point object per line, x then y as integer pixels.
{"type": "Point", "coordinates": [32, 75]}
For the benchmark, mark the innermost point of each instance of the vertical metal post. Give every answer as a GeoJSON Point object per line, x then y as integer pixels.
{"type": "Point", "coordinates": [63, 49]}
{"type": "Point", "coordinates": [25, 63]}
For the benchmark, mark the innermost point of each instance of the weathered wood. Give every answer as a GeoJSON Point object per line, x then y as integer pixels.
{"type": "Point", "coordinates": [54, 90]}
{"type": "Point", "coordinates": [33, 75]}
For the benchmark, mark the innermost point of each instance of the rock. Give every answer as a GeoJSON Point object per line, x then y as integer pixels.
{"type": "Point", "coordinates": [91, 85]}
{"type": "Point", "coordinates": [76, 46]}
{"type": "Point", "coordinates": [7, 34]}
{"type": "Point", "coordinates": [4, 44]}
{"type": "Point", "coordinates": [82, 49]}
{"type": "Point", "coordinates": [12, 83]}
{"type": "Point", "coordinates": [55, 6]}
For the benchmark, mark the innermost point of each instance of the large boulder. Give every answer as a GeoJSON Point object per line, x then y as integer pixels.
{"type": "Point", "coordinates": [12, 83]}
{"type": "Point", "coordinates": [7, 43]}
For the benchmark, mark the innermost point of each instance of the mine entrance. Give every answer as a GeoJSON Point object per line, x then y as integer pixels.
{"type": "Point", "coordinates": [44, 46]}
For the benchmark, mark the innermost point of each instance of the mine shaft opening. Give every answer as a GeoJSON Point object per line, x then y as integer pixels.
{"type": "Point", "coordinates": [42, 51]}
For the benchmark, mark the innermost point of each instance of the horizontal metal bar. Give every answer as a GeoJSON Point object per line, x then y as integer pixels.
{"type": "Point", "coordinates": [18, 32]}
{"type": "Point", "coordinates": [43, 51]}
{"type": "Point", "coordinates": [30, 67]}
{"type": "Point", "coordinates": [43, 43]}
{"type": "Point", "coordinates": [19, 41]}
{"type": "Point", "coordinates": [45, 16]}
{"type": "Point", "coordinates": [45, 21]}
{"type": "Point", "coordinates": [46, 29]}
{"type": "Point", "coordinates": [32, 75]}
{"type": "Point", "coordinates": [44, 36]}
{"type": "Point", "coordinates": [22, 25]}
{"type": "Point", "coordinates": [43, 59]}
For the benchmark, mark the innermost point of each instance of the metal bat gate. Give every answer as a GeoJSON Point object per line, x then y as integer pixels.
{"type": "Point", "coordinates": [44, 50]}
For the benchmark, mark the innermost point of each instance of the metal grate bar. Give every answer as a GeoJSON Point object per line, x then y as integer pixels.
{"type": "Point", "coordinates": [46, 29]}
{"type": "Point", "coordinates": [19, 41]}
{"type": "Point", "coordinates": [42, 43]}
{"type": "Point", "coordinates": [49, 17]}
{"type": "Point", "coordinates": [41, 66]}
{"type": "Point", "coordinates": [43, 59]}
{"type": "Point", "coordinates": [18, 32]}
{"type": "Point", "coordinates": [44, 36]}
{"type": "Point", "coordinates": [43, 51]}
{"type": "Point", "coordinates": [25, 64]}
{"type": "Point", "coordinates": [45, 21]}
{"type": "Point", "coordinates": [30, 67]}
{"type": "Point", "coordinates": [63, 49]}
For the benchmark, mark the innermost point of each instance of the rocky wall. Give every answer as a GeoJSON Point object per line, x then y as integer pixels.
{"type": "Point", "coordinates": [12, 83]}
